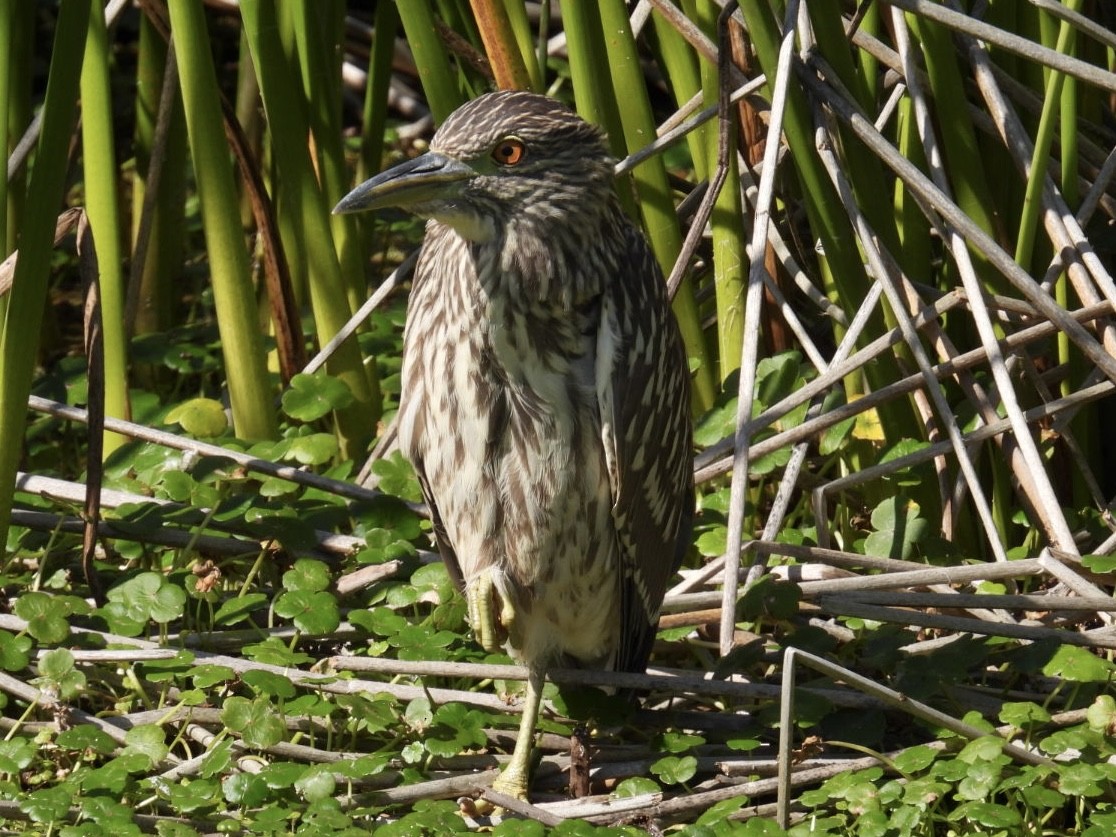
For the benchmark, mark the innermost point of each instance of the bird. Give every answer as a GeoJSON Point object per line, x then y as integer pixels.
{"type": "Point", "coordinates": [545, 394]}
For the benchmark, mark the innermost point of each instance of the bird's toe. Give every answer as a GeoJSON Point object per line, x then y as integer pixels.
{"type": "Point", "coordinates": [512, 783]}
{"type": "Point", "coordinates": [487, 626]}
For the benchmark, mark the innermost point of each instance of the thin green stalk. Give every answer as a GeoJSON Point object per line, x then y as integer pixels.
{"type": "Point", "coordinates": [438, 78]}
{"type": "Point", "coordinates": [29, 285]}
{"type": "Point", "coordinates": [525, 38]}
{"type": "Point", "coordinates": [954, 125]}
{"type": "Point", "coordinates": [7, 19]}
{"type": "Point", "coordinates": [868, 64]}
{"type": "Point", "coordinates": [99, 157]}
{"type": "Point", "coordinates": [820, 201]}
{"type": "Point", "coordinates": [310, 242]}
{"type": "Point", "coordinates": [374, 123]}
{"type": "Point", "coordinates": [914, 232]}
{"type": "Point", "coordinates": [1048, 123]}
{"type": "Point", "coordinates": [730, 262]}
{"type": "Point", "coordinates": [374, 117]}
{"type": "Point", "coordinates": [319, 51]}
{"type": "Point", "coordinates": [844, 277]}
{"type": "Point", "coordinates": [1086, 424]}
{"type": "Point", "coordinates": [250, 393]}
{"type": "Point", "coordinates": [162, 262]}
{"type": "Point", "coordinates": [629, 95]}
{"type": "Point", "coordinates": [251, 123]}
{"type": "Point", "coordinates": [917, 245]}
{"type": "Point", "coordinates": [17, 108]}
{"type": "Point", "coordinates": [589, 71]}
{"type": "Point", "coordinates": [1068, 141]}
{"type": "Point", "coordinates": [864, 170]}
{"type": "Point", "coordinates": [685, 81]}
{"type": "Point", "coordinates": [457, 15]}
{"type": "Point", "coordinates": [730, 266]}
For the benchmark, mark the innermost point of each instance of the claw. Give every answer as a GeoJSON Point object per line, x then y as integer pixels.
{"type": "Point", "coordinates": [512, 783]}
{"type": "Point", "coordinates": [482, 597]}
{"type": "Point", "coordinates": [492, 616]}
{"type": "Point", "coordinates": [509, 624]}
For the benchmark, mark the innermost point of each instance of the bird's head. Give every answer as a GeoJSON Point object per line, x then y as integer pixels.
{"type": "Point", "coordinates": [502, 158]}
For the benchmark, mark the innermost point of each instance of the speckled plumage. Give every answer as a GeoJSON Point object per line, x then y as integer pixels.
{"type": "Point", "coordinates": [545, 393]}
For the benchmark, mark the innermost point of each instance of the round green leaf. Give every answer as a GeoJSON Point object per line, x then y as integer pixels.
{"type": "Point", "coordinates": [257, 722]}
{"type": "Point", "coordinates": [718, 812]}
{"type": "Point", "coordinates": [86, 737]}
{"type": "Point", "coordinates": [270, 684]}
{"type": "Point", "coordinates": [218, 760]}
{"type": "Point", "coordinates": [307, 574]}
{"type": "Point", "coordinates": [282, 774]}
{"type": "Point", "coordinates": [1081, 779]}
{"type": "Point", "coordinates": [413, 753]}
{"type": "Point", "coordinates": [113, 776]}
{"type": "Point", "coordinates": [680, 742]}
{"type": "Point", "coordinates": [914, 759]}
{"type": "Point", "coordinates": [316, 783]}
{"type": "Point", "coordinates": [16, 754]}
{"type": "Point", "coordinates": [987, 814]}
{"type": "Point", "coordinates": [985, 748]}
{"type": "Point", "coordinates": [245, 790]}
{"type": "Point", "coordinates": [980, 781]}
{"type": "Point", "coordinates": [149, 596]}
{"type": "Point", "coordinates": [208, 675]}
{"type": "Point", "coordinates": [314, 449]}
{"type": "Point", "coordinates": [1099, 563]}
{"type": "Point", "coordinates": [57, 674]}
{"type": "Point", "coordinates": [275, 652]}
{"type": "Point", "coordinates": [397, 477]}
{"type": "Point", "coordinates": [1040, 796]}
{"type": "Point", "coordinates": [112, 816]}
{"type": "Point", "coordinates": [48, 804]}
{"type": "Point", "coordinates": [193, 796]}
{"type": "Point", "coordinates": [713, 542]}
{"type": "Point", "coordinates": [312, 396]}
{"type": "Point", "coordinates": [898, 529]}
{"type": "Point", "coordinates": [237, 610]}
{"type": "Point", "coordinates": [312, 613]}
{"type": "Point", "coordinates": [519, 828]}
{"type": "Point", "coordinates": [635, 786]}
{"type": "Point", "coordinates": [381, 621]}
{"type": "Point", "coordinates": [46, 622]}
{"type": "Point", "coordinates": [1101, 714]}
{"type": "Point", "coordinates": [148, 740]}
{"type": "Point", "coordinates": [418, 714]}
{"type": "Point", "coordinates": [1071, 662]}
{"type": "Point", "coordinates": [15, 651]}
{"type": "Point", "coordinates": [1023, 714]}
{"type": "Point", "coordinates": [201, 417]}
{"type": "Point", "coordinates": [675, 770]}
{"type": "Point", "coordinates": [178, 486]}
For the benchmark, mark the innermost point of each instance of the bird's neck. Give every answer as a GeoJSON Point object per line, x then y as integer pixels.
{"type": "Point", "coordinates": [556, 266]}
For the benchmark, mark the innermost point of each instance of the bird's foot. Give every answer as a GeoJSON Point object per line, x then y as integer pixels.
{"type": "Point", "coordinates": [491, 615]}
{"type": "Point", "coordinates": [512, 783]}
{"type": "Point", "coordinates": [509, 624]}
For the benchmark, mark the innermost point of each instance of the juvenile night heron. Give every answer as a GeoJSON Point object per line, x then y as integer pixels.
{"type": "Point", "coordinates": [545, 395]}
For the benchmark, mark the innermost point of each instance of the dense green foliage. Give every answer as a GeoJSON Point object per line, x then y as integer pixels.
{"type": "Point", "coordinates": [258, 639]}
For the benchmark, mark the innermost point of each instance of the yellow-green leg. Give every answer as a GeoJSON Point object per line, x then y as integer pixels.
{"type": "Point", "coordinates": [516, 776]}
{"type": "Point", "coordinates": [494, 622]}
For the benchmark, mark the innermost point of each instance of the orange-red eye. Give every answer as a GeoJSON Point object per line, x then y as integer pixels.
{"type": "Point", "coordinates": [509, 152]}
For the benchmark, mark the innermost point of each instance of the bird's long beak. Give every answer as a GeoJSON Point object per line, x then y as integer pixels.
{"type": "Point", "coordinates": [429, 178]}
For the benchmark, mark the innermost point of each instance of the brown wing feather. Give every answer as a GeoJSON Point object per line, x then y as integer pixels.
{"type": "Point", "coordinates": [445, 548]}
{"type": "Point", "coordinates": [648, 440]}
